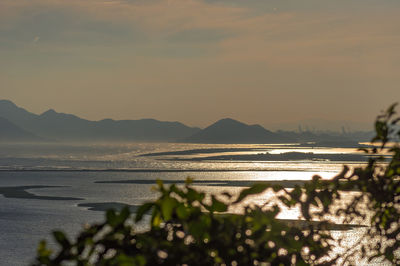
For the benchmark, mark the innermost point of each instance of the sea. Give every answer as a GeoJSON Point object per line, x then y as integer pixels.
{"type": "Point", "coordinates": [63, 186]}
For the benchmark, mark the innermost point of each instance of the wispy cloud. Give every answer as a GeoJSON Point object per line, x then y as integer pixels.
{"type": "Point", "coordinates": [233, 28]}
{"type": "Point", "coordinates": [239, 53]}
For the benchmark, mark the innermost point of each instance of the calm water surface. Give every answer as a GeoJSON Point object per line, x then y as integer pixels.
{"type": "Point", "coordinates": [77, 170]}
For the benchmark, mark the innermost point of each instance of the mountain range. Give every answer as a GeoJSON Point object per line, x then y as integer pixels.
{"type": "Point", "coordinates": [18, 124]}
{"type": "Point", "coordinates": [54, 126]}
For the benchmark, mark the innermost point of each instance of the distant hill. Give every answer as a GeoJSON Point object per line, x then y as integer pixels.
{"type": "Point", "coordinates": [228, 131]}
{"type": "Point", "coordinates": [52, 125]}
{"type": "Point", "coordinates": [10, 132]}
{"type": "Point", "coordinates": [231, 131]}
{"type": "Point", "coordinates": [67, 127]}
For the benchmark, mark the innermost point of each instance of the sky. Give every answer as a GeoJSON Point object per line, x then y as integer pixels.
{"type": "Point", "coordinates": [278, 63]}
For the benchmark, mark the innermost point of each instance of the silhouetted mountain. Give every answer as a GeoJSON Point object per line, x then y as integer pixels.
{"type": "Point", "coordinates": [10, 132]}
{"type": "Point", "coordinates": [231, 131]}
{"type": "Point", "coordinates": [66, 127]}
{"type": "Point", "coordinates": [60, 126]}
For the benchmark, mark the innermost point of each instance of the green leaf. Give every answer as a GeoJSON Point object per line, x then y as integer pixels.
{"type": "Point", "coordinates": [175, 189]}
{"type": "Point", "coordinates": [193, 195]}
{"type": "Point", "coordinates": [218, 206]}
{"type": "Point", "coordinates": [61, 239]}
{"type": "Point", "coordinates": [277, 188]}
{"type": "Point", "coordinates": [125, 213]}
{"type": "Point", "coordinates": [188, 181]}
{"type": "Point", "coordinates": [168, 204]}
{"type": "Point", "coordinates": [160, 185]}
{"type": "Point", "coordinates": [111, 217]}
{"type": "Point", "coordinates": [142, 210]}
{"type": "Point", "coordinates": [296, 193]}
{"type": "Point", "coordinates": [200, 227]}
{"type": "Point", "coordinates": [254, 189]}
{"type": "Point", "coordinates": [182, 211]}
{"type": "Point", "coordinates": [156, 219]}
{"type": "Point", "coordinates": [42, 250]}
{"type": "Point", "coordinates": [285, 201]}
{"type": "Point", "coordinates": [305, 210]}
{"type": "Point", "coordinates": [124, 260]}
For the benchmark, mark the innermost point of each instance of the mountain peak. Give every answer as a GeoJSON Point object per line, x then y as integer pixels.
{"type": "Point", "coordinates": [228, 130]}
{"type": "Point", "coordinates": [232, 124]}
{"type": "Point", "coordinates": [229, 121]}
{"type": "Point", "coordinates": [54, 115]}
{"type": "Point", "coordinates": [49, 112]}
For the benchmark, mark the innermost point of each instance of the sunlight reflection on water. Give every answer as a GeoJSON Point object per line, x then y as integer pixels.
{"type": "Point", "coordinates": [30, 220]}
{"type": "Point", "coordinates": [128, 156]}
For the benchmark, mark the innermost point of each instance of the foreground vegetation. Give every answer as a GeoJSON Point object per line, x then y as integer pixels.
{"type": "Point", "coordinates": [194, 228]}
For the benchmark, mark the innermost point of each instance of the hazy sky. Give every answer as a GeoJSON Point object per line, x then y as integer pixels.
{"type": "Point", "coordinates": [272, 62]}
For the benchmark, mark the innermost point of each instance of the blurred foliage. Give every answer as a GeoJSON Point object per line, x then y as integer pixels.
{"type": "Point", "coordinates": [191, 227]}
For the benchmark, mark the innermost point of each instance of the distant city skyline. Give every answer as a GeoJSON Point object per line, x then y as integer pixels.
{"type": "Point", "coordinates": [280, 64]}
